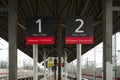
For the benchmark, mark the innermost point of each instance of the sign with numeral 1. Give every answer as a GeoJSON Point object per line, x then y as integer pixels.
{"type": "Point", "coordinates": [40, 30]}
{"type": "Point", "coordinates": [79, 30]}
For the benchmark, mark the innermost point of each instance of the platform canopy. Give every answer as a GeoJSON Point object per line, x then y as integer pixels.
{"type": "Point", "coordinates": [59, 10]}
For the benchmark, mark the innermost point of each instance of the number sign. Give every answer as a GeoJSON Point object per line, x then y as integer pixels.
{"type": "Point", "coordinates": [79, 30]}
{"type": "Point", "coordinates": [40, 30]}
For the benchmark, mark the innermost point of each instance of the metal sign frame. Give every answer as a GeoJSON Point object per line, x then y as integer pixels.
{"type": "Point", "coordinates": [40, 30]}
{"type": "Point", "coordinates": [79, 30]}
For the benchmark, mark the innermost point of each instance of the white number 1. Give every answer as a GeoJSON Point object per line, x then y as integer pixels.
{"type": "Point", "coordinates": [39, 24]}
{"type": "Point", "coordinates": [80, 26]}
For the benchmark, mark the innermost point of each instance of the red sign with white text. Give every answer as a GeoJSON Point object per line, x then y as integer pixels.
{"type": "Point", "coordinates": [40, 40]}
{"type": "Point", "coordinates": [79, 40]}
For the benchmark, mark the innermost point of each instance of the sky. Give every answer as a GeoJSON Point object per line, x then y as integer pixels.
{"type": "Point", "coordinates": [90, 56]}
{"type": "Point", "coordinates": [96, 54]}
{"type": "Point", "coordinates": [93, 55]}
{"type": "Point", "coordinates": [21, 55]}
{"type": "Point", "coordinates": [4, 51]}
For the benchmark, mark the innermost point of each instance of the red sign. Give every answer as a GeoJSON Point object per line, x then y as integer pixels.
{"type": "Point", "coordinates": [79, 40]}
{"type": "Point", "coordinates": [40, 40]}
{"type": "Point", "coordinates": [61, 64]}
{"type": "Point", "coordinates": [79, 30]}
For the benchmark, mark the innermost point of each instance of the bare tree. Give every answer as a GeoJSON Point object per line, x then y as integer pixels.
{"type": "Point", "coordinates": [3, 64]}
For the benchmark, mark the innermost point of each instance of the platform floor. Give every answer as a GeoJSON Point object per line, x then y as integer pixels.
{"type": "Point", "coordinates": [52, 78]}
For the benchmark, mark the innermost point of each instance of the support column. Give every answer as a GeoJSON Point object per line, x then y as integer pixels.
{"type": "Point", "coordinates": [55, 67]}
{"type": "Point", "coordinates": [35, 59]}
{"type": "Point", "coordinates": [115, 60]}
{"type": "Point", "coordinates": [107, 39]}
{"type": "Point", "coordinates": [59, 54]}
{"type": "Point", "coordinates": [65, 65]}
{"type": "Point", "coordinates": [12, 37]}
{"type": "Point", "coordinates": [44, 65]}
{"type": "Point", "coordinates": [79, 61]}
{"type": "Point", "coordinates": [49, 71]}
{"type": "Point", "coordinates": [94, 68]}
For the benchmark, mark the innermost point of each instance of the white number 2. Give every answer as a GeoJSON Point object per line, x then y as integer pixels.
{"type": "Point", "coordinates": [39, 24]}
{"type": "Point", "coordinates": [80, 26]}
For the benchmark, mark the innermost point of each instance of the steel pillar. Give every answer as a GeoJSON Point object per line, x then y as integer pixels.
{"type": "Point", "coordinates": [114, 58]}
{"type": "Point", "coordinates": [12, 38]}
{"type": "Point", "coordinates": [59, 54]}
{"type": "Point", "coordinates": [107, 39]}
{"type": "Point", "coordinates": [79, 62]}
{"type": "Point", "coordinates": [44, 65]}
{"type": "Point", "coordinates": [55, 63]}
{"type": "Point", "coordinates": [65, 65]}
{"type": "Point", "coordinates": [94, 68]}
{"type": "Point", "coordinates": [35, 60]}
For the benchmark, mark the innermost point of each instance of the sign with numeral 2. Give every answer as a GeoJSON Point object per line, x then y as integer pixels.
{"type": "Point", "coordinates": [79, 30]}
{"type": "Point", "coordinates": [40, 30]}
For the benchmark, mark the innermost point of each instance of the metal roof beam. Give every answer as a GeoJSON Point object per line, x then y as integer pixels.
{"type": "Point", "coordinates": [20, 8]}
{"type": "Point", "coordinates": [21, 11]}
{"type": "Point", "coordinates": [85, 7]}
{"type": "Point", "coordinates": [6, 9]}
{"type": "Point", "coordinates": [40, 7]}
{"type": "Point", "coordinates": [2, 9]}
{"type": "Point", "coordinates": [29, 5]}
{"type": "Point", "coordinates": [49, 7]}
{"type": "Point", "coordinates": [21, 26]}
{"type": "Point", "coordinates": [3, 1]}
{"type": "Point", "coordinates": [70, 8]}
{"type": "Point", "coordinates": [64, 7]}
{"type": "Point", "coordinates": [116, 8]}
